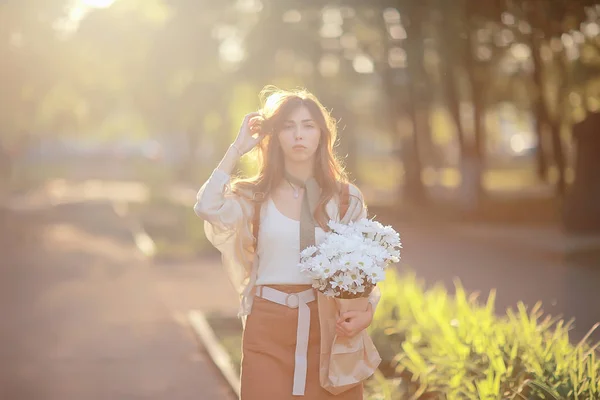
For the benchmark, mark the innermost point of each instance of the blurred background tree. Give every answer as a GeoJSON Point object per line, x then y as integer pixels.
{"type": "Point", "coordinates": [440, 104]}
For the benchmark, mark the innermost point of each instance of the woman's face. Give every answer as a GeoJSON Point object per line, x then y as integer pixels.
{"type": "Point", "coordinates": [299, 136]}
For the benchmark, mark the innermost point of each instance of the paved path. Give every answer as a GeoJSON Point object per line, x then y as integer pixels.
{"type": "Point", "coordinates": [85, 317]}
{"type": "Point", "coordinates": [90, 319]}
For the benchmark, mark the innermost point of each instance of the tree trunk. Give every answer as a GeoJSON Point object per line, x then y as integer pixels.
{"type": "Point", "coordinates": [411, 152]}
{"type": "Point", "coordinates": [414, 187]}
{"type": "Point", "coordinates": [557, 143]}
{"type": "Point", "coordinates": [542, 113]}
{"type": "Point", "coordinates": [559, 158]}
{"type": "Point", "coordinates": [454, 103]}
{"type": "Point", "coordinates": [389, 87]}
{"type": "Point", "coordinates": [477, 95]}
{"type": "Point", "coordinates": [391, 99]}
{"type": "Point", "coordinates": [448, 71]}
{"type": "Point", "coordinates": [473, 159]}
{"type": "Point", "coordinates": [540, 110]}
{"type": "Point", "coordinates": [582, 204]}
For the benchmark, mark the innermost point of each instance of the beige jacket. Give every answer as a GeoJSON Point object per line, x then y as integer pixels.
{"type": "Point", "coordinates": [228, 226]}
{"type": "Point", "coordinates": [344, 362]}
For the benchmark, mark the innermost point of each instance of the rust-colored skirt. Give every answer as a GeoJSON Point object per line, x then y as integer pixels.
{"type": "Point", "coordinates": [268, 350]}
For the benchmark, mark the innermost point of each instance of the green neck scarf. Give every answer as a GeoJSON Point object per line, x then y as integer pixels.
{"type": "Point", "coordinates": [312, 192]}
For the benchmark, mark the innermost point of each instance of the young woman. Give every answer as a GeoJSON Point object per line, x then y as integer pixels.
{"type": "Point", "coordinates": [261, 224]}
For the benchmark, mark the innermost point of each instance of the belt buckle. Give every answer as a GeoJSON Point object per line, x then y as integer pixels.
{"type": "Point", "coordinates": [294, 304]}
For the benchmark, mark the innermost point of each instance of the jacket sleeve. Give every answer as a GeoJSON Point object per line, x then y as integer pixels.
{"type": "Point", "coordinates": [226, 225]}
{"type": "Point", "coordinates": [356, 207]}
{"type": "Point", "coordinates": [217, 205]}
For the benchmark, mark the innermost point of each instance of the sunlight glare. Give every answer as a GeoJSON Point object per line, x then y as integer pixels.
{"type": "Point", "coordinates": [76, 12]}
{"type": "Point", "coordinates": [96, 3]}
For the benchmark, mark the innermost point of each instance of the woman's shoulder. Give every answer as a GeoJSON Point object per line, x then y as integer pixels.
{"type": "Point", "coordinates": [353, 204]}
{"type": "Point", "coordinates": [248, 191]}
{"type": "Point", "coordinates": [354, 192]}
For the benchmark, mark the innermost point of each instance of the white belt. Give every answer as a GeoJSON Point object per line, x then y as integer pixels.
{"type": "Point", "coordinates": [299, 301]}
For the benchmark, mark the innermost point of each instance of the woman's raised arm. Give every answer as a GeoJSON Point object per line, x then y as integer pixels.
{"type": "Point", "coordinates": [215, 202]}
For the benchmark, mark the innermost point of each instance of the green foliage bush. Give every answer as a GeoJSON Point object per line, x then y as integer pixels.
{"type": "Point", "coordinates": [177, 232]}
{"type": "Point", "coordinates": [453, 347]}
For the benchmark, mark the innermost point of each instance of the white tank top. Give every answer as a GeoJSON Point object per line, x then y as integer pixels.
{"type": "Point", "coordinates": [279, 248]}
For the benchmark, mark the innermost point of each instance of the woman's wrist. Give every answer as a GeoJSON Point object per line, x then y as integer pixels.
{"type": "Point", "coordinates": [371, 310]}
{"type": "Point", "coordinates": [237, 150]}
{"type": "Point", "coordinates": [230, 159]}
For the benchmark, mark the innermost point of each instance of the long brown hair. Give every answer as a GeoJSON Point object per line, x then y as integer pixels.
{"type": "Point", "coordinates": [329, 172]}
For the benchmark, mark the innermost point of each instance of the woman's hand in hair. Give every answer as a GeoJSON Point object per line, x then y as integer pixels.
{"type": "Point", "coordinates": [250, 133]}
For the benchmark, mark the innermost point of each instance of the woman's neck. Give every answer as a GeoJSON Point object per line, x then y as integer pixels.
{"type": "Point", "coordinates": [300, 170]}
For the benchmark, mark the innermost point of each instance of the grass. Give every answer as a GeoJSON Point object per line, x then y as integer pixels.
{"type": "Point", "coordinates": [30, 176]}
{"type": "Point", "coordinates": [176, 231]}
{"type": "Point", "coordinates": [456, 347]}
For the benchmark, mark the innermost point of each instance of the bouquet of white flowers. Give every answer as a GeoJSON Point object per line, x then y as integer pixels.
{"type": "Point", "coordinates": [345, 267]}
{"type": "Point", "coordinates": [352, 258]}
